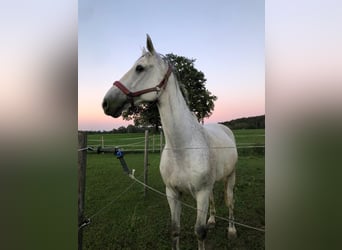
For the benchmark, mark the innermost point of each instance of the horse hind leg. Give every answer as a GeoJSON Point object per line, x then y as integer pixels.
{"type": "Point", "coordinates": [211, 220]}
{"type": "Point", "coordinates": [229, 200]}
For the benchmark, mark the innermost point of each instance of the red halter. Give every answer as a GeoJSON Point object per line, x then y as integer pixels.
{"type": "Point", "coordinates": [157, 88]}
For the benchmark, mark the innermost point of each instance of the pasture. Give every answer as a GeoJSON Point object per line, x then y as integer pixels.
{"type": "Point", "coordinates": [122, 218]}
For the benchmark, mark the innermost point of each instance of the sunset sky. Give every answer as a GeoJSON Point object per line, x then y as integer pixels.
{"type": "Point", "coordinates": [225, 37]}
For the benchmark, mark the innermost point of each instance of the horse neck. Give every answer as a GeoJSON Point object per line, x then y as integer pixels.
{"type": "Point", "coordinates": [180, 125]}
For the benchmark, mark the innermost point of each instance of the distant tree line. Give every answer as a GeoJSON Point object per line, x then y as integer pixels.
{"type": "Point", "coordinates": [123, 130]}
{"type": "Point", "coordinates": [255, 122]}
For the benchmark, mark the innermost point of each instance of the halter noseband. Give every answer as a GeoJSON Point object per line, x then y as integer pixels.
{"type": "Point", "coordinates": [130, 95]}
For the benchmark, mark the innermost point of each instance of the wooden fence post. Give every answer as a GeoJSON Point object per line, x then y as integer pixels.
{"type": "Point", "coordinates": [82, 163]}
{"type": "Point", "coordinates": [153, 142]}
{"type": "Point", "coordinates": [146, 161]}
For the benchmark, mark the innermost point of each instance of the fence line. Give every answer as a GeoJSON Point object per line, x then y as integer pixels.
{"type": "Point", "coordinates": [88, 147]}
{"type": "Point", "coordinates": [134, 143]}
{"type": "Point", "coordinates": [257, 135]}
{"type": "Point", "coordinates": [152, 139]}
{"type": "Point", "coordinates": [133, 138]}
{"type": "Point", "coordinates": [142, 149]}
{"type": "Point", "coordinates": [107, 205]}
{"type": "Point", "coordinates": [161, 139]}
{"type": "Point", "coordinates": [165, 195]}
{"type": "Point", "coordinates": [82, 149]}
{"type": "Point", "coordinates": [190, 206]}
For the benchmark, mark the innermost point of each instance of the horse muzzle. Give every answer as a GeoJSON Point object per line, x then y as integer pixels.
{"type": "Point", "coordinates": [114, 104]}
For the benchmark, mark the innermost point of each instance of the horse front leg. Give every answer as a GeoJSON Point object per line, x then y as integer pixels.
{"type": "Point", "coordinates": [201, 227]}
{"type": "Point", "coordinates": [173, 198]}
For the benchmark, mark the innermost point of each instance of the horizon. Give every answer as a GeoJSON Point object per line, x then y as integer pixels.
{"type": "Point", "coordinates": [233, 64]}
{"type": "Point", "coordinates": [91, 130]}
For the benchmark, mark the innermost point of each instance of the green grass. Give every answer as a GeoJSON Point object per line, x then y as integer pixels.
{"type": "Point", "coordinates": [137, 222]}
{"type": "Point", "coordinates": [249, 136]}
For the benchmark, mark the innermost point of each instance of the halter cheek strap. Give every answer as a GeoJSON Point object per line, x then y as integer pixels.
{"type": "Point", "coordinates": [130, 95]}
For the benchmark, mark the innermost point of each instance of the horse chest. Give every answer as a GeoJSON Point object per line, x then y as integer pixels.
{"type": "Point", "coordinates": [185, 172]}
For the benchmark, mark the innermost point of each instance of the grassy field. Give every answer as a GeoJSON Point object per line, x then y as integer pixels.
{"type": "Point", "coordinates": [136, 141]}
{"type": "Point", "coordinates": [132, 221]}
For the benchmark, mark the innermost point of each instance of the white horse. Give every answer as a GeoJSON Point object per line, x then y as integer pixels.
{"type": "Point", "coordinates": [194, 156]}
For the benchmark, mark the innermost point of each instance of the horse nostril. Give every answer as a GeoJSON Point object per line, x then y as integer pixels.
{"type": "Point", "coordinates": [105, 105]}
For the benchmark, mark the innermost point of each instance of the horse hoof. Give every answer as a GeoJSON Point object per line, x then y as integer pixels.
{"type": "Point", "coordinates": [211, 225]}
{"type": "Point", "coordinates": [232, 233]}
{"type": "Point", "coordinates": [211, 222]}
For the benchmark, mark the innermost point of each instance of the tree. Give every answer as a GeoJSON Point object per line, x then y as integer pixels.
{"type": "Point", "coordinates": [122, 129]}
{"type": "Point", "coordinates": [199, 99]}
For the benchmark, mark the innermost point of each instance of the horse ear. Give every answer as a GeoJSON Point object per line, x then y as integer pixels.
{"type": "Point", "coordinates": [149, 45]}
{"type": "Point", "coordinates": [144, 51]}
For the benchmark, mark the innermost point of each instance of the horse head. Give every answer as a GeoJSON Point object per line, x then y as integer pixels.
{"type": "Point", "coordinates": [144, 82]}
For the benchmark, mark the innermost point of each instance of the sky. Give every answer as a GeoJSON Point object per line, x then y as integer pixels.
{"type": "Point", "coordinates": [225, 37]}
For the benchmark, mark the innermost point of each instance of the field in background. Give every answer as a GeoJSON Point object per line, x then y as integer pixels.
{"type": "Point", "coordinates": [245, 138]}
{"type": "Point", "coordinates": [133, 221]}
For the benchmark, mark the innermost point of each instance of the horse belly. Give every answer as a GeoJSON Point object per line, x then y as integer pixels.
{"type": "Point", "coordinates": [223, 152]}
{"type": "Point", "coordinates": [224, 163]}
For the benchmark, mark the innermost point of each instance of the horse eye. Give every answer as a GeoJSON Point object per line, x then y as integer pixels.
{"type": "Point", "coordinates": [139, 68]}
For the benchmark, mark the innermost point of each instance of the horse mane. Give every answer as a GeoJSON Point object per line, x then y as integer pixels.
{"type": "Point", "coordinates": [180, 83]}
